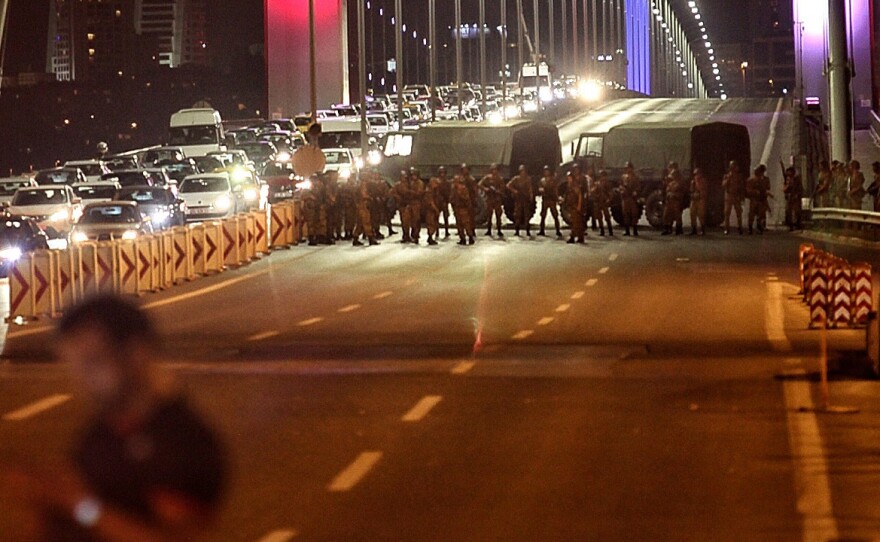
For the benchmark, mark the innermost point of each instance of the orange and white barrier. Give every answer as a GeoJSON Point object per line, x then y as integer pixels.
{"type": "Point", "coordinates": [863, 294]}
{"type": "Point", "coordinates": [277, 227]}
{"type": "Point", "coordinates": [67, 290]}
{"type": "Point", "coordinates": [182, 254]}
{"type": "Point", "coordinates": [230, 242]}
{"type": "Point", "coordinates": [841, 294]}
{"type": "Point", "coordinates": [86, 255]}
{"type": "Point", "coordinates": [108, 267]}
{"type": "Point", "coordinates": [166, 259]}
{"type": "Point", "coordinates": [126, 256]}
{"type": "Point", "coordinates": [261, 232]}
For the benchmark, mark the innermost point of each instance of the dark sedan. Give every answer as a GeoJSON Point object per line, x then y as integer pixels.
{"type": "Point", "coordinates": [164, 208]}
{"type": "Point", "coordinates": [18, 236]}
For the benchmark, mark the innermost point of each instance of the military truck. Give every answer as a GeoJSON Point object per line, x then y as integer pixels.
{"type": "Point", "coordinates": [651, 146]}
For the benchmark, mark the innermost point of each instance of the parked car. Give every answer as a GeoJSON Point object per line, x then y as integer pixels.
{"type": "Point", "coordinates": [260, 152]}
{"type": "Point", "coordinates": [129, 177]}
{"type": "Point", "coordinates": [99, 191]}
{"type": "Point", "coordinates": [93, 169]}
{"type": "Point", "coordinates": [54, 208]}
{"type": "Point", "coordinates": [208, 196]}
{"type": "Point", "coordinates": [8, 186]}
{"type": "Point", "coordinates": [110, 220]}
{"type": "Point", "coordinates": [60, 175]}
{"type": "Point", "coordinates": [18, 236]}
{"type": "Point", "coordinates": [164, 208]}
{"type": "Point", "coordinates": [280, 180]}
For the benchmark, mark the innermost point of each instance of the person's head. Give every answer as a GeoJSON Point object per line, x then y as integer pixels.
{"type": "Point", "coordinates": [673, 166]}
{"type": "Point", "coordinates": [698, 172]}
{"type": "Point", "coordinates": [824, 165]}
{"type": "Point", "coordinates": [522, 169]}
{"type": "Point", "coordinates": [441, 171]}
{"type": "Point", "coordinates": [493, 168]}
{"type": "Point", "coordinates": [628, 167]}
{"type": "Point", "coordinates": [875, 167]}
{"type": "Point", "coordinates": [548, 171]}
{"type": "Point", "coordinates": [855, 165]}
{"type": "Point", "coordinates": [110, 344]}
{"type": "Point", "coordinates": [732, 165]}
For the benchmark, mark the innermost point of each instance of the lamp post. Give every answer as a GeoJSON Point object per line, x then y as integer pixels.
{"type": "Point", "coordinates": [482, 31]}
{"type": "Point", "coordinates": [313, 87]}
{"type": "Point", "coordinates": [742, 68]}
{"type": "Point", "coordinates": [504, 54]}
{"type": "Point", "coordinates": [432, 56]}
{"type": "Point", "coordinates": [398, 47]}
{"type": "Point", "coordinates": [458, 77]}
{"type": "Point", "coordinates": [362, 74]}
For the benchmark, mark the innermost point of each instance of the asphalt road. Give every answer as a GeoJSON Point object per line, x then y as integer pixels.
{"type": "Point", "coordinates": [514, 390]}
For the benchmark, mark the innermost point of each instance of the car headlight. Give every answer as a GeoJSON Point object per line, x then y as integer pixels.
{"type": "Point", "coordinates": [223, 203]}
{"type": "Point", "coordinates": [282, 156]}
{"type": "Point", "coordinates": [546, 94]}
{"type": "Point", "coordinates": [304, 185]}
{"type": "Point", "coordinates": [160, 217]}
{"type": "Point", "coordinates": [345, 173]}
{"type": "Point", "coordinates": [59, 216]}
{"type": "Point", "coordinates": [511, 111]}
{"type": "Point", "coordinates": [129, 235]}
{"type": "Point", "coordinates": [79, 237]}
{"type": "Point", "coordinates": [240, 174]}
{"type": "Point", "coordinates": [495, 117]}
{"type": "Point", "coordinates": [374, 157]}
{"type": "Point", "coordinates": [251, 194]}
{"type": "Point", "coordinates": [359, 162]}
{"type": "Point", "coordinates": [11, 254]}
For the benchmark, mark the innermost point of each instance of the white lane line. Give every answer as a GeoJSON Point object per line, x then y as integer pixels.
{"type": "Point", "coordinates": [422, 408]}
{"type": "Point", "coordinates": [203, 291]}
{"type": "Point", "coordinates": [355, 472]}
{"type": "Point", "coordinates": [562, 308]}
{"type": "Point", "coordinates": [546, 321]}
{"type": "Point", "coordinates": [35, 408]}
{"type": "Point", "coordinates": [463, 368]}
{"type": "Point", "coordinates": [349, 308]}
{"type": "Point", "coordinates": [310, 322]}
{"type": "Point", "coordinates": [612, 258]}
{"type": "Point", "coordinates": [604, 270]}
{"type": "Point", "coordinates": [264, 335]}
{"type": "Point", "coordinates": [524, 334]}
{"type": "Point", "coordinates": [281, 535]}
{"type": "Point", "coordinates": [26, 332]}
{"type": "Point", "coordinates": [812, 482]}
{"type": "Point", "coordinates": [383, 295]}
{"type": "Point", "coordinates": [592, 282]}
{"type": "Point", "coordinates": [578, 295]}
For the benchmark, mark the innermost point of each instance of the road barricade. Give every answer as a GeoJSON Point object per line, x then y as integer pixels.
{"type": "Point", "coordinates": [66, 281]}
{"type": "Point", "coordinates": [107, 269]}
{"type": "Point", "coordinates": [126, 255]}
{"type": "Point", "coordinates": [250, 243]}
{"type": "Point", "coordinates": [806, 254]}
{"type": "Point", "coordinates": [230, 242]}
{"type": "Point", "coordinates": [278, 234]}
{"type": "Point", "coordinates": [199, 254]}
{"type": "Point", "coordinates": [156, 262]}
{"type": "Point", "coordinates": [166, 258]}
{"type": "Point", "coordinates": [841, 293]}
{"type": "Point", "coordinates": [261, 232]}
{"type": "Point", "coordinates": [213, 247]}
{"type": "Point", "coordinates": [292, 215]}
{"type": "Point", "coordinates": [31, 286]}
{"type": "Point", "coordinates": [862, 294]}
{"type": "Point", "coordinates": [86, 255]}
{"type": "Point", "coordinates": [818, 294]}
{"type": "Point", "coordinates": [182, 254]}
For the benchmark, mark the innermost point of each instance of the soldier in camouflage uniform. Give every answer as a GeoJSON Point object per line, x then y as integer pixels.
{"type": "Point", "coordinates": [348, 206]}
{"type": "Point", "coordinates": [630, 190]}
{"type": "Point", "coordinates": [699, 196]}
{"type": "Point", "coordinates": [549, 190]}
{"type": "Point", "coordinates": [462, 207]}
{"type": "Point", "coordinates": [492, 186]}
{"type": "Point", "coordinates": [601, 200]}
{"type": "Point", "coordinates": [431, 209]}
{"type": "Point", "coordinates": [674, 202]}
{"type": "Point", "coordinates": [364, 201]}
{"type": "Point", "coordinates": [524, 201]}
{"type": "Point", "coordinates": [573, 202]}
{"type": "Point", "coordinates": [444, 195]}
{"type": "Point", "coordinates": [734, 191]}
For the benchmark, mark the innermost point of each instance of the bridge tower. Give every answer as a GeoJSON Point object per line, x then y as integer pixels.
{"type": "Point", "coordinates": [287, 54]}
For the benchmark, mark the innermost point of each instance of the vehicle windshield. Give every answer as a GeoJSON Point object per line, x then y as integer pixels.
{"type": "Point", "coordinates": [204, 184]}
{"type": "Point", "coordinates": [145, 195]}
{"type": "Point", "coordinates": [56, 176]}
{"type": "Point", "coordinates": [129, 178]}
{"type": "Point", "coordinates": [256, 150]}
{"type": "Point", "coordinates": [347, 139]}
{"type": "Point", "coordinates": [39, 197]}
{"type": "Point", "coordinates": [337, 157]}
{"type": "Point", "coordinates": [110, 214]}
{"type": "Point", "coordinates": [88, 191]}
{"type": "Point", "coordinates": [90, 169]}
{"type": "Point", "coordinates": [274, 169]}
{"type": "Point", "coordinates": [8, 188]}
{"type": "Point", "coordinates": [194, 135]}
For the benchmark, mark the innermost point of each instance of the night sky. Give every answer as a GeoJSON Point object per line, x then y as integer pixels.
{"type": "Point", "coordinates": [236, 24]}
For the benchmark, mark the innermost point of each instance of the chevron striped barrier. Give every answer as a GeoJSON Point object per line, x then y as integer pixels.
{"type": "Point", "coordinates": [67, 291]}
{"type": "Point", "coordinates": [819, 293]}
{"type": "Point", "coordinates": [126, 255]}
{"type": "Point", "coordinates": [862, 294]}
{"type": "Point", "coordinates": [806, 254]}
{"type": "Point", "coordinates": [261, 232]}
{"type": "Point", "coordinates": [31, 286]}
{"type": "Point", "coordinates": [841, 294]}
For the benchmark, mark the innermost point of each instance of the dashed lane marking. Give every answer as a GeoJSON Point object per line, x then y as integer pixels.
{"type": "Point", "coordinates": [310, 321]}
{"type": "Point", "coordinates": [592, 282]}
{"type": "Point", "coordinates": [604, 270]}
{"type": "Point", "coordinates": [263, 335]}
{"type": "Point", "coordinates": [463, 368]}
{"type": "Point", "coordinates": [578, 295]}
{"type": "Point", "coordinates": [383, 295]}
{"type": "Point", "coordinates": [349, 308]}
{"type": "Point", "coordinates": [422, 408]}
{"type": "Point", "coordinates": [612, 258]}
{"type": "Point", "coordinates": [546, 321]}
{"type": "Point", "coordinates": [33, 409]}
{"type": "Point", "coordinates": [524, 334]}
{"type": "Point", "coordinates": [355, 472]}
{"type": "Point", "coordinates": [281, 535]}
{"type": "Point", "coordinates": [563, 308]}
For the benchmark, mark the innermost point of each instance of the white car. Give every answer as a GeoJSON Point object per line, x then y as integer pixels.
{"type": "Point", "coordinates": [54, 208]}
{"type": "Point", "coordinates": [341, 161]}
{"type": "Point", "coordinates": [8, 186]}
{"type": "Point", "coordinates": [93, 192]}
{"type": "Point", "coordinates": [209, 196]}
{"type": "Point", "coordinates": [92, 168]}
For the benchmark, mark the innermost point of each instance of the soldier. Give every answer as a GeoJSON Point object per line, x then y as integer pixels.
{"type": "Point", "coordinates": [431, 209]}
{"type": "Point", "coordinates": [585, 182]}
{"type": "Point", "coordinates": [839, 178]}
{"type": "Point", "coordinates": [699, 195]}
{"type": "Point", "coordinates": [794, 191]}
{"type": "Point", "coordinates": [734, 191]}
{"type": "Point", "coordinates": [758, 190]}
{"type": "Point", "coordinates": [549, 190]}
{"type": "Point", "coordinates": [874, 189]}
{"type": "Point", "coordinates": [334, 215]}
{"type": "Point", "coordinates": [460, 199]}
{"type": "Point", "coordinates": [630, 189]}
{"type": "Point", "coordinates": [600, 194]}
{"type": "Point", "coordinates": [822, 191]}
{"type": "Point", "coordinates": [524, 201]}
{"type": "Point", "coordinates": [348, 206]}
{"type": "Point", "coordinates": [411, 207]}
{"type": "Point", "coordinates": [573, 203]}
{"type": "Point", "coordinates": [492, 185]}
{"type": "Point", "coordinates": [473, 190]}
{"type": "Point", "coordinates": [380, 213]}
{"type": "Point", "coordinates": [444, 196]}
{"type": "Point", "coordinates": [312, 201]}
{"type": "Point", "coordinates": [856, 185]}
{"type": "Point", "coordinates": [364, 224]}
{"type": "Point", "coordinates": [674, 203]}
{"type": "Point", "coordinates": [400, 191]}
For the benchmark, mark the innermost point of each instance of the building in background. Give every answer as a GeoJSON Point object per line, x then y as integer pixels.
{"type": "Point", "coordinates": [177, 29]}
{"type": "Point", "coordinates": [771, 69]}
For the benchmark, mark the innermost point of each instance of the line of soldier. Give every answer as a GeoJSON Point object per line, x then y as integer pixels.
{"type": "Point", "coordinates": [843, 185]}
{"type": "Point", "coordinates": [357, 209]}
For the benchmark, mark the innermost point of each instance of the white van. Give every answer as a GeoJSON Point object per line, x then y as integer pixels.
{"type": "Point", "coordinates": [342, 132]}
{"type": "Point", "coordinates": [196, 131]}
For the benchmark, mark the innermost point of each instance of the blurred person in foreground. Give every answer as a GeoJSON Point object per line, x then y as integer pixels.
{"type": "Point", "coordinates": [145, 467]}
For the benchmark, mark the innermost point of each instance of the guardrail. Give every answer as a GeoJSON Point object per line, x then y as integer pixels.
{"type": "Point", "coordinates": [852, 222]}
{"type": "Point", "coordinates": [43, 283]}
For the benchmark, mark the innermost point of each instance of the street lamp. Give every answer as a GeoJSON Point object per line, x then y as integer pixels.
{"type": "Point", "coordinates": [743, 67]}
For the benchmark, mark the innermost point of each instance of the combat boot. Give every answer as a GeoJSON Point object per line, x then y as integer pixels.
{"type": "Point", "coordinates": [462, 240]}
{"type": "Point", "coordinates": [499, 232]}
{"type": "Point", "coordinates": [610, 230]}
{"type": "Point", "coordinates": [471, 240]}
{"type": "Point", "coordinates": [626, 231]}
{"type": "Point", "coordinates": [373, 242]}
{"type": "Point", "coordinates": [636, 231]}
{"type": "Point", "coordinates": [602, 231]}
{"type": "Point", "coordinates": [313, 242]}
{"type": "Point", "coordinates": [489, 232]}
{"type": "Point", "coordinates": [541, 232]}
{"type": "Point", "coordinates": [357, 243]}
{"type": "Point", "coordinates": [558, 233]}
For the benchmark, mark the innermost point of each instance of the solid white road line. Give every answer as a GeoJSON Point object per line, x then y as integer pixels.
{"type": "Point", "coordinates": [383, 295]}
{"type": "Point", "coordinates": [35, 408]}
{"type": "Point", "coordinates": [604, 270]}
{"type": "Point", "coordinates": [279, 536]}
{"type": "Point", "coordinates": [546, 321]}
{"type": "Point", "coordinates": [578, 295]}
{"type": "Point", "coordinates": [592, 282]}
{"type": "Point", "coordinates": [349, 308]}
{"type": "Point", "coordinates": [422, 408]}
{"type": "Point", "coordinates": [612, 258]}
{"type": "Point", "coordinates": [812, 482]}
{"type": "Point", "coordinates": [562, 308]}
{"type": "Point", "coordinates": [310, 321]}
{"type": "Point", "coordinates": [463, 368]}
{"type": "Point", "coordinates": [264, 335]}
{"type": "Point", "coordinates": [524, 334]}
{"type": "Point", "coordinates": [203, 291]}
{"type": "Point", "coordinates": [355, 472]}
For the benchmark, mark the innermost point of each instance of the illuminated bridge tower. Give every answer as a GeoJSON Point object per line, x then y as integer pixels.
{"type": "Point", "coordinates": [287, 54]}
